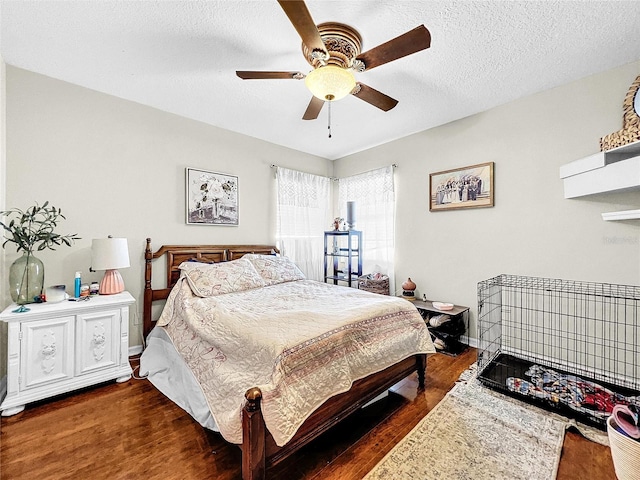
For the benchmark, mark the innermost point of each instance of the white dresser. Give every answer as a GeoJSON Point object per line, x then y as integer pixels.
{"type": "Point", "coordinates": [58, 347]}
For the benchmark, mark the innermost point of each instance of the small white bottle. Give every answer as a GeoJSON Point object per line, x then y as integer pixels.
{"type": "Point", "coordinates": [78, 282]}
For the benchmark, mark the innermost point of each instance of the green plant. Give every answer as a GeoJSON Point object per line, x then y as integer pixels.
{"type": "Point", "coordinates": [33, 229]}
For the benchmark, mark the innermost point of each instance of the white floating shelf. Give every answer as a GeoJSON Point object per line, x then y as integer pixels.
{"type": "Point", "coordinates": [610, 171]}
{"type": "Point", "coordinates": [622, 215]}
{"type": "Point", "coordinates": [622, 153]}
{"type": "Point", "coordinates": [614, 177]}
{"type": "Point", "coordinates": [586, 164]}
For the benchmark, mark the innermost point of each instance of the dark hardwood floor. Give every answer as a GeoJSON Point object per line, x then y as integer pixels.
{"type": "Point", "coordinates": [131, 431]}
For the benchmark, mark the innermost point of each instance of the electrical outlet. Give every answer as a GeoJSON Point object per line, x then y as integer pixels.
{"type": "Point", "coordinates": [136, 318]}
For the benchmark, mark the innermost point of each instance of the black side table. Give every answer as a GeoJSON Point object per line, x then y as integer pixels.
{"type": "Point", "coordinates": [449, 332]}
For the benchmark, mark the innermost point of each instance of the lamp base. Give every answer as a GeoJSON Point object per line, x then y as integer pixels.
{"type": "Point", "coordinates": [112, 283]}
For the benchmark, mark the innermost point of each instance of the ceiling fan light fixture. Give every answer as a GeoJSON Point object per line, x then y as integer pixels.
{"type": "Point", "coordinates": [330, 82]}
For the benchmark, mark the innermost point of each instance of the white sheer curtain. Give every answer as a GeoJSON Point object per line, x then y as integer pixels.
{"type": "Point", "coordinates": [374, 198]}
{"type": "Point", "coordinates": [303, 214]}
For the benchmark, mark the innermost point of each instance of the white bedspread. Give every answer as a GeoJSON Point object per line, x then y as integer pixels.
{"type": "Point", "coordinates": [300, 342]}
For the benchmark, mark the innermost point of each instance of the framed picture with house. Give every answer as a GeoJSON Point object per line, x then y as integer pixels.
{"type": "Point", "coordinates": [211, 198]}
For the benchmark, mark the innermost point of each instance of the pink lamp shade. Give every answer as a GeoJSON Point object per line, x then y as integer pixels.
{"type": "Point", "coordinates": [109, 254]}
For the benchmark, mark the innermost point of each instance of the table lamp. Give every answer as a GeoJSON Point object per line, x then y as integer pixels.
{"type": "Point", "coordinates": [351, 215]}
{"type": "Point", "coordinates": [109, 254]}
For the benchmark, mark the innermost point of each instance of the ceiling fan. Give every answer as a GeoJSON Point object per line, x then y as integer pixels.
{"type": "Point", "coordinates": [333, 50]}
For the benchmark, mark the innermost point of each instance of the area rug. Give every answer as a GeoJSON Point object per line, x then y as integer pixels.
{"type": "Point", "coordinates": [475, 433]}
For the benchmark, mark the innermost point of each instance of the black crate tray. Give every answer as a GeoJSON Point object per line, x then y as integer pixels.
{"type": "Point", "coordinates": [596, 395]}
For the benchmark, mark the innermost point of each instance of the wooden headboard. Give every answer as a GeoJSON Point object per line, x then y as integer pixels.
{"type": "Point", "coordinates": [176, 254]}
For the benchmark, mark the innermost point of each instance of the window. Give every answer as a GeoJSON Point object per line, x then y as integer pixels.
{"type": "Point", "coordinates": [374, 197]}
{"type": "Point", "coordinates": [303, 214]}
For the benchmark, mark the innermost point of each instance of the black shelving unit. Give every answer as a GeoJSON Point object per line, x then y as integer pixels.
{"type": "Point", "coordinates": [450, 331]}
{"type": "Point", "coordinates": [342, 245]}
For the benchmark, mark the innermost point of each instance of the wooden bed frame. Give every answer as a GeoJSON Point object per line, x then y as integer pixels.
{"type": "Point", "coordinates": [259, 451]}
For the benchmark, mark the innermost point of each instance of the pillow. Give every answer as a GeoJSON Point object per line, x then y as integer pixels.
{"type": "Point", "coordinates": [211, 279]}
{"type": "Point", "coordinates": [274, 269]}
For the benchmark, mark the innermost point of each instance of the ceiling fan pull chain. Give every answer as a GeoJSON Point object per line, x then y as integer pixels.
{"type": "Point", "coordinates": [329, 123]}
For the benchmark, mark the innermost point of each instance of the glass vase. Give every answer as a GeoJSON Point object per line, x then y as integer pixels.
{"type": "Point", "coordinates": [26, 278]}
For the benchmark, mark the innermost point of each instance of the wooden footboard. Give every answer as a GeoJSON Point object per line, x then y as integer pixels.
{"type": "Point", "coordinates": [259, 451]}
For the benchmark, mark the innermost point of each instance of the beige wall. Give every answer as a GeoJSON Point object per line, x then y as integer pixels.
{"type": "Point", "coordinates": [532, 230]}
{"type": "Point", "coordinates": [117, 168]}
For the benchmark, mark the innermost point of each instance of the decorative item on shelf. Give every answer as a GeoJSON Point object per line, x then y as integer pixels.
{"type": "Point", "coordinates": [630, 121]}
{"type": "Point", "coordinates": [443, 306]}
{"type": "Point", "coordinates": [26, 279]}
{"type": "Point", "coordinates": [408, 290]}
{"type": "Point", "coordinates": [337, 222]}
{"type": "Point", "coordinates": [109, 254]}
{"type": "Point", "coordinates": [374, 283]}
{"type": "Point", "coordinates": [351, 215]}
{"type": "Point", "coordinates": [77, 282]}
{"type": "Point", "coordinates": [56, 293]}
{"type": "Point", "coordinates": [31, 230]}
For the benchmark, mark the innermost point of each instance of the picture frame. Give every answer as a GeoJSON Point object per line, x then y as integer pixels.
{"type": "Point", "coordinates": [211, 198]}
{"type": "Point", "coordinates": [459, 188]}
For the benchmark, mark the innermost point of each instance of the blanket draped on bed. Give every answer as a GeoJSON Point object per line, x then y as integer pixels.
{"type": "Point", "coordinates": [300, 342]}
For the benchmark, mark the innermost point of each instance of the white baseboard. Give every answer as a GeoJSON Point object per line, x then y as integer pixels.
{"type": "Point", "coordinates": [135, 350]}
{"type": "Point", "coordinates": [472, 342]}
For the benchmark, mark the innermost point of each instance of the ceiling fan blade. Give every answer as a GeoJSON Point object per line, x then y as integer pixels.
{"type": "Point", "coordinates": [313, 110]}
{"type": "Point", "coordinates": [411, 42]}
{"type": "Point", "coordinates": [301, 19]}
{"type": "Point", "coordinates": [374, 97]}
{"type": "Point", "coordinates": [269, 75]}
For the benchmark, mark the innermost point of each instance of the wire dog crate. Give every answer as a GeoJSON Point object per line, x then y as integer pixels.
{"type": "Point", "coordinates": [568, 346]}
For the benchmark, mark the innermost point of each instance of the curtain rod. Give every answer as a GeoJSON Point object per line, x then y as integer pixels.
{"type": "Point", "coordinates": [335, 179]}
{"type": "Point", "coordinates": [393, 165]}
{"type": "Point", "coordinates": [273, 165]}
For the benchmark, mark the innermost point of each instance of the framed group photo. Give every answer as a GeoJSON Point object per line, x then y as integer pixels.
{"type": "Point", "coordinates": [212, 198]}
{"type": "Point", "coordinates": [466, 187]}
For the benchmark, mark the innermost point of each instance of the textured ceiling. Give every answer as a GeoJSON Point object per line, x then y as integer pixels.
{"type": "Point", "coordinates": [181, 57]}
